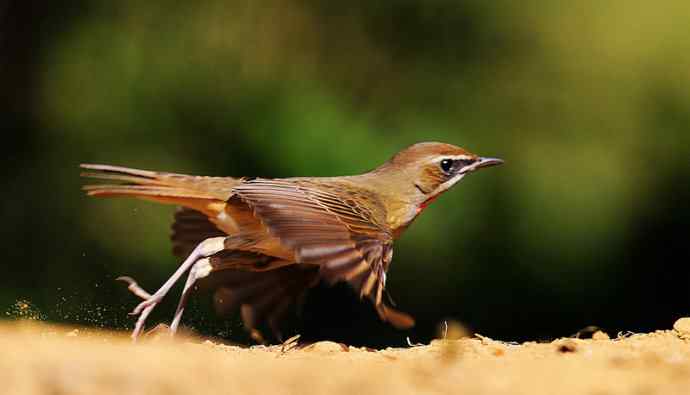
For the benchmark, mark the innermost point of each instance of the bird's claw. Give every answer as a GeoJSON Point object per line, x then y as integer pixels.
{"type": "Point", "coordinates": [134, 287]}
{"type": "Point", "coordinates": [151, 301]}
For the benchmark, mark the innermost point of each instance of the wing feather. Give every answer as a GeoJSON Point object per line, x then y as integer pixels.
{"type": "Point", "coordinates": [345, 239]}
{"type": "Point", "coordinates": [190, 228]}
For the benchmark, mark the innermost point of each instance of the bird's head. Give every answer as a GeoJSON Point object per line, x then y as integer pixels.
{"type": "Point", "coordinates": [425, 170]}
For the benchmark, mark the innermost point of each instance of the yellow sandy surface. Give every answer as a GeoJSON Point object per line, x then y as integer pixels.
{"type": "Point", "coordinates": [44, 359]}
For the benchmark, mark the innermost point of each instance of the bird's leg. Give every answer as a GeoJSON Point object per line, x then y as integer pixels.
{"type": "Point", "coordinates": [201, 269]}
{"type": "Point", "coordinates": [205, 248]}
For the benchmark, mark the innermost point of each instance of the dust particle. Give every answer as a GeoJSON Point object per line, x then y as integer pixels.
{"type": "Point", "coordinates": [24, 310]}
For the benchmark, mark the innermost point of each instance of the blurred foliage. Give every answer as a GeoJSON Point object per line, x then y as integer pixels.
{"type": "Point", "coordinates": [588, 102]}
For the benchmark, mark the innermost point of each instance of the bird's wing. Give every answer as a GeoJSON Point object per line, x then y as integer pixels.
{"type": "Point", "coordinates": [190, 228]}
{"type": "Point", "coordinates": [262, 296]}
{"type": "Point", "coordinates": [325, 224]}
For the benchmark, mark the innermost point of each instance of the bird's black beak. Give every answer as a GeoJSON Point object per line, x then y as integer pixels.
{"type": "Point", "coordinates": [482, 162]}
{"type": "Point", "coordinates": [479, 163]}
{"type": "Point", "coordinates": [487, 162]}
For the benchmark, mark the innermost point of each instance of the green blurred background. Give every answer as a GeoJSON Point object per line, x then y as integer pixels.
{"type": "Point", "coordinates": [588, 102]}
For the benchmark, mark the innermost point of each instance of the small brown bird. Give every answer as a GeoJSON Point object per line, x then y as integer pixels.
{"type": "Point", "coordinates": [273, 239]}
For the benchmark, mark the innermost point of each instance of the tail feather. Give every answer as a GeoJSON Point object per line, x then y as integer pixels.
{"type": "Point", "coordinates": [116, 190]}
{"type": "Point", "coordinates": [122, 170]}
{"type": "Point", "coordinates": [159, 186]}
{"type": "Point", "coordinates": [122, 177]}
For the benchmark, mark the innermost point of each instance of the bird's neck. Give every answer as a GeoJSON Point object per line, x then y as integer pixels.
{"type": "Point", "coordinates": [402, 200]}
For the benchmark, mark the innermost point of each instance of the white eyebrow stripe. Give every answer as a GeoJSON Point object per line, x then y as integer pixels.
{"type": "Point", "coordinates": [452, 157]}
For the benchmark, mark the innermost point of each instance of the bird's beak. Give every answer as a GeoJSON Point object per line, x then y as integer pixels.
{"type": "Point", "coordinates": [482, 162]}
{"type": "Point", "coordinates": [487, 162]}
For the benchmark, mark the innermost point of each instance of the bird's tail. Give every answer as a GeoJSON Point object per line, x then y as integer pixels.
{"type": "Point", "coordinates": [185, 190]}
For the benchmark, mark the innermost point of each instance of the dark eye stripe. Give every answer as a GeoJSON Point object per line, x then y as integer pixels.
{"type": "Point", "coordinates": [447, 165]}
{"type": "Point", "coordinates": [465, 162]}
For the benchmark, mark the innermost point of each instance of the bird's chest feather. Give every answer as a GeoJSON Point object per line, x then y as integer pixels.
{"type": "Point", "coordinates": [400, 216]}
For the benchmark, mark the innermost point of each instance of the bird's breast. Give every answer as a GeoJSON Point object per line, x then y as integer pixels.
{"type": "Point", "coordinates": [400, 216]}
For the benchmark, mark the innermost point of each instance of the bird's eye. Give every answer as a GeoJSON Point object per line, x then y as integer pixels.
{"type": "Point", "coordinates": [446, 165]}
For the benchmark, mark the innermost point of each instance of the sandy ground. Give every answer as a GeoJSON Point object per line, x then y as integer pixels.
{"type": "Point", "coordinates": [43, 359]}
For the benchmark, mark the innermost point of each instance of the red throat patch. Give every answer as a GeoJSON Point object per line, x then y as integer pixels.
{"type": "Point", "coordinates": [426, 203]}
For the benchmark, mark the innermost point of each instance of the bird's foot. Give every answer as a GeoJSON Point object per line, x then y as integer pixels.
{"type": "Point", "coordinates": [134, 287]}
{"type": "Point", "coordinates": [206, 248]}
{"type": "Point", "coordinates": [144, 308]}
{"type": "Point", "coordinates": [149, 303]}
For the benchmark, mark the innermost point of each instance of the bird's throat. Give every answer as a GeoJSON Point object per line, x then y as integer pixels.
{"type": "Point", "coordinates": [426, 204]}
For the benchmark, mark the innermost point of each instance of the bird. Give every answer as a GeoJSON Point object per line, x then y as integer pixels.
{"type": "Point", "coordinates": [269, 240]}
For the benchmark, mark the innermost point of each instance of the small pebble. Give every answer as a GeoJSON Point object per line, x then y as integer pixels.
{"type": "Point", "coordinates": [498, 351]}
{"type": "Point", "coordinates": [565, 346]}
{"type": "Point", "coordinates": [326, 347]}
{"type": "Point", "coordinates": [451, 330]}
{"type": "Point", "coordinates": [600, 335]}
{"type": "Point", "coordinates": [682, 326]}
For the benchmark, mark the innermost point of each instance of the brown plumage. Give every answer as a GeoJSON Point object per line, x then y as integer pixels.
{"type": "Point", "coordinates": [267, 241]}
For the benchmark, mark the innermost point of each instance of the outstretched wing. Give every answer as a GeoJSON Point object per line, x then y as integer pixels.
{"type": "Point", "coordinates": [324, 224]}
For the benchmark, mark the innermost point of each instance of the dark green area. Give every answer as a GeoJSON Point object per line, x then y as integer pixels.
{"type": "Point", "coordinates": [589, 104]}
